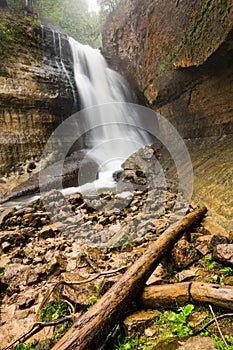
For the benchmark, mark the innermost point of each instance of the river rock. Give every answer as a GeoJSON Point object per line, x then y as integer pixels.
{"type": "Point", "coordinates": [211, 227]}
{"type": "Point", "coordinates": [218, 239]}
{"type": "Point", "coordinates": [15, 277]}
{"type": "Point", "coordinates": [183, 254]}
{"type": "Point", "coordinates": [57, 264]}
{"type": "Point", "coordinates": [138, 321]}
{"type": "Point", "coordinates": [5, 214]}
{"type": "Point", "coordinates": [198, 343]}
{"type": "Point", "coordinates": [224, 253]}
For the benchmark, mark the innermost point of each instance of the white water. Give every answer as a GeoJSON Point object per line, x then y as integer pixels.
{"type": "Point", "coordinates": [111, 140]}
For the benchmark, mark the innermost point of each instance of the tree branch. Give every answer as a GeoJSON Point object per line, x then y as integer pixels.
{"type": "Point", "coordinates": [198, 331]}
{"type": "Point", "coordinates": [219, 329]}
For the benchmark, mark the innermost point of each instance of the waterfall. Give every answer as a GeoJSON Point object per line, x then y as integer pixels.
{"type": "Point", "coordinates": [57, 58]}
{"type": "Point", "coordinates": [65, 70]}
{"type": "Point", "coordinates": [111, 139]}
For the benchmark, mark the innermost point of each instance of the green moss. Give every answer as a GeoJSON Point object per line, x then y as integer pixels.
{"type": "Point", "coordinates": [4, 269]}
{"type": "Point", "coordinates": [29, 346]}
{"type": "Point", "coordinates": [195, 37]}
{"type": "Point", "coordinates": [19, 37]}
{"type": "Point", "coordinates": [53, 311]}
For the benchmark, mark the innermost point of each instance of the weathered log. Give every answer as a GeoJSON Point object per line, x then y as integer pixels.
{"type": "Point", "coordinates": [178, 294]}
{"type": "Point", "coordinates": [90, 330]}
{"type": "Point", "coordinates": [165, 296]}
{"type": "Point", "coordinates": [214, 294]}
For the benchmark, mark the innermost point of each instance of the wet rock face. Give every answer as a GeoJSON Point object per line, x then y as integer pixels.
{"type": "Point", "coordinates": [180, 57]}
{"type": "Point", "coordinates": [35, 97]}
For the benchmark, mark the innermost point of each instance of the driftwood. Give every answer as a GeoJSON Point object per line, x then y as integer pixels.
{"type": "Point", "coordinates": [178, 294]}
{"type": "Point", "coordinates": [91, 329]}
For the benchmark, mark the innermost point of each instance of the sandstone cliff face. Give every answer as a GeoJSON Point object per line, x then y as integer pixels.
{"type": "Point", "coordinates": [179, 54]}
{"type": "Point", "coordinates": [35, 96]}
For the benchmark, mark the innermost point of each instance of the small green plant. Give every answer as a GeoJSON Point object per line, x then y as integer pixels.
{"type": "Point", "coordinates": [97, 287]}
{"type": "Point", "coordinates": [218, 341]}
{"type": "Point", "coordinates": [189, 249]}
{"type": "Point", "coordinates": [226, 271]}
{"type": "Point", "coordinates": [29, 346]}
{"type": "Point", "coordinates": [135, 343]}
{"type": "Point", "coordinates": [4, 269]}
{"type": "Point", "coordinates": [93, 299]}
{"type": "Point", "coordinates": [210, 263]}
{"type": "Point", "coordinates": [53, 311]}
{"type": "Point", "coordinates": [180, 321]}
{"type": "Point", "coordinates": [169, 326]}
{"type": "Point", "coordinates": [215, 279]}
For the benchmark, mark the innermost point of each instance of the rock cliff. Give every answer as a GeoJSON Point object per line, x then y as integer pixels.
{"type": "Point", "coordinates": [35, 94]}
{"type": "Point", "coordinates": [179, 55]}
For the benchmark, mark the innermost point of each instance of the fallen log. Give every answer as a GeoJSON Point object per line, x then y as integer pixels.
{"type": "Point", "coordinates": [178, 294]}
{"type": "Point", "coordinates": [91, 329]}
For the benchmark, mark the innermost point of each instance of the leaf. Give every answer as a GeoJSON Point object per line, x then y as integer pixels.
{"type": "Point", "coordinates": [182, 318]}
{"type": "Point", "coordinates": [172, 316]}
{"type": "Point", "coordinates": [188, 309]}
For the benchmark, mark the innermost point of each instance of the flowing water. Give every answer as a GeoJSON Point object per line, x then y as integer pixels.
{"type": "Point", "coordinates": [110, 139]}
{"type": "Point", "coordinates": [109, 143]}
{"type": "Point", "coordinates": [98, 85]}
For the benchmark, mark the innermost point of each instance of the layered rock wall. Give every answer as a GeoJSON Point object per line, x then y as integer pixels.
{"type": "Point", "coordinates": [179, 55]}
{"type": "Point", "coordinates": [35, 96]}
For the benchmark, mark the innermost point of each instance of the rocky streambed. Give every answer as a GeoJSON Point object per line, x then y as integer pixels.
{"type": "Point", "coordinates": [66, 252]}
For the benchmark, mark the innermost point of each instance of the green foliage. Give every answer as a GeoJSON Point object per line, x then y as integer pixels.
{"type": "Point", "coordinates": [180, 326]}
{"type": "Point", "coordinates": [67, 16]}
{"type": "Point", "coordinates": [215, 279]}
{"type": "Point", "coordinates": [227, 271]}
{"type": "Point", "coordinates": [29, 346]}
{"type": "Point", "coordinates": [53, 311]}
{"type": "Point", "coordinates": [71, 17]}
{"type": "Point", "coordinates": [135, 343]}
{"type": "Point", "coordinates": [210, 263]}
{"type": "Point", "coordinates": [4, 269]}
{"type": "Point", "coordinates": [175, 324]}
{"type": "Point", "coordinates": [92, 299]}
{"type": "Point", "coordinates": [218, 341]}
{"type": "Point", "coordinates": [107, 6]}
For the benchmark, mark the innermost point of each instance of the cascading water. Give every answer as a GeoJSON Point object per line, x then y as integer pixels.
{"type": "Point", "coordinates": [113, 139]}
{"type": "Point", "coordinates": [64, 69]}
{"type": "Point", "coordinates": [57, 59]}
{"type": "Point", "coordinates": [112, 135]}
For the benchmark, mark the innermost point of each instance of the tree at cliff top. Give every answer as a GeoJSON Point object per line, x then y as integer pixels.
{"type": "Point", "coordinates": [106, 7]}
{"type": "Point", "coordinates": [68, 16]}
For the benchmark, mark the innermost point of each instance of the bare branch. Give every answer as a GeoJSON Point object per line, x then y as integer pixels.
{"type": "Point", "coordinates": [37, 327]}
{"type": "Point", "coordinates": [219, 329]}
{"type": "Point", "coordinates": [103, 273]}
{"type": "Point", "coordinates": [198, 331]}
